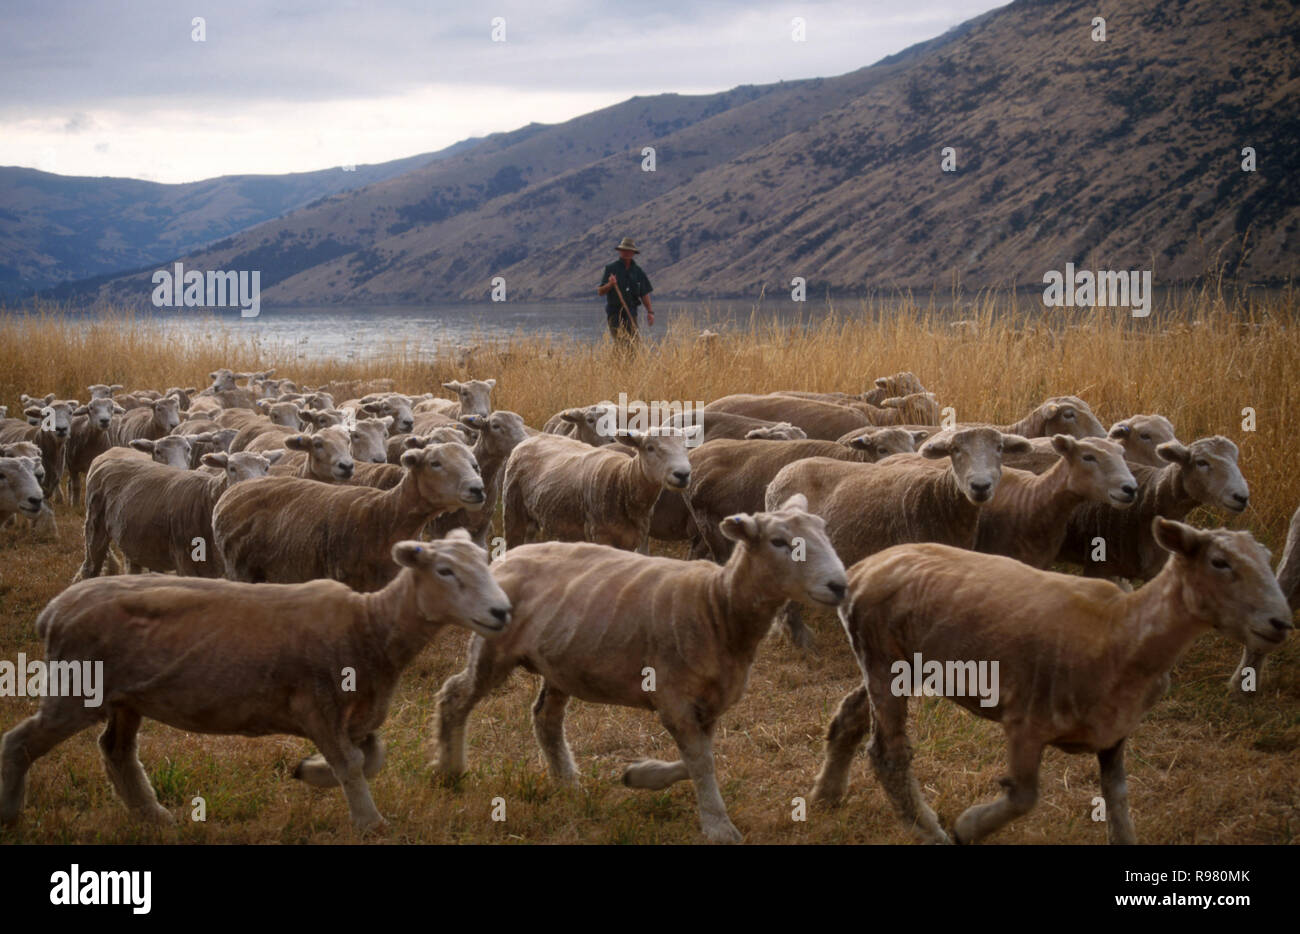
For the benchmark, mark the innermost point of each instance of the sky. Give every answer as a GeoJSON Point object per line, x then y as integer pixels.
{"type": "Point", "coordinates": [137, 88]}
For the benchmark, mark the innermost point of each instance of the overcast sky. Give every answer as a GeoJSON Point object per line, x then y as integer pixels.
{"type": "Point", "coordinates": [120, 87]}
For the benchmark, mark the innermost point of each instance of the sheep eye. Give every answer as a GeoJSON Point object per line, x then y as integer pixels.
{"type": "Point", "coordinates": [436, 464]}
{"type": "Point", "coordinates": [1221, 564]}
{"type": "Point", "coordinates": [1090, 459]}
{"type": "Point", "coordinates": [1068, 414]}
{"type": "Point", "coordinates": [780, 543]}
{"type": "Point", "coordinates": [1146, 437]}
{"type": "Point", "coordinates": [1204, 465]}
{"type": "Point", "coordinates": [445, 572]}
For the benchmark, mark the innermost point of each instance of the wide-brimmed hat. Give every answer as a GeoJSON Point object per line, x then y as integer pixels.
{"type": "Point", "coordinates": [627, 244]}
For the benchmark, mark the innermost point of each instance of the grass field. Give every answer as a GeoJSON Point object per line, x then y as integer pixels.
{"type": "Point", "coordinates": [1203, 767]}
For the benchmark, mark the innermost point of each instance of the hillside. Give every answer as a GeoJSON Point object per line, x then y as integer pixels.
{"type": "Point", "coordinates": [1116, 154]}
{"type": "Point", "coordinates": [55, 228]}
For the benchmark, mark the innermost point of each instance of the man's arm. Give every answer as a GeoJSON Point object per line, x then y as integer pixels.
{"type": "Point", "coordinates": [608, 284]}
{"type": "Point", "coordinates": [649, 312]}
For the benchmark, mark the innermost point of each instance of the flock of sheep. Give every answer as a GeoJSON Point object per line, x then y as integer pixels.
{"type": "Point", "coordinates": [311, 538]}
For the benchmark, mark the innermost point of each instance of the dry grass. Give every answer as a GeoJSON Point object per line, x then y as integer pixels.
{"type": "Point", "coordinates": [1203, 768]}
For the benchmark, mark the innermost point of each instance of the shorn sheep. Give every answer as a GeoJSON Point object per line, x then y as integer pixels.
{"type": "Point", "coordinates": [1246, 678]}
{"type": "Point", "coordinates": [285, 529]}
{"type": "Point", "coordinates": [1079, 661]}
{"type": "Point", "coordinates": [560, 488]}
{"type": "Point", "coordinates": [1141, 435]}
{"type": "Point", "coordinates": [160, 518]}
{"type": "Point", "coordinates": [20, 492]}
{"type": "Point", "coordinates": [213, 656]}
{"type": "Point", "coordinates": [595, 622]}
{"type": "Point", "coordinates": [48, 424]}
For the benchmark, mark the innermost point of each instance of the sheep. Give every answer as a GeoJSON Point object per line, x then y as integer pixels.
{"type": "Point", "coordinates": [1060, 415]}
{"type": "Point", "coordinates": [253, 660]}
{"type": "Point", "coordinates": [318, 419]}
{"type": "Point", "coordinates": [281, 413]}
{"type": "Point", "coordinates": [731, 476]}
{"type": "Point", "coordinates": [593, 620]}
{"type": "Point", "coordinates": [900, 384]}
{"type": "Point", "coordinates": [395, 407]}
{"type": "Point", "coordinates": [498, 435]}
{"type": "Point", "coordinates": [474, 398]}
{"type": "Point", "coordinates": [1029, 516]}
{"type": "Point", "coordinates": [103, 390]}
{"type": "Point", "coordinates": [160, 518]}
{"type": "Point", "coordinates": [424, 422]}
{"type": "Point", "coordinates": [368, 437]}
{"type": "Point", "coordinates": [49, 422]}
{"type": "Point", "coordinates": [20, 491]}
{"type": "Point", "coordinates": [715, 426]}
{"type": "Point", "coordinates": [904, 498]}
{"type": "Point", "coordinates": [560, 488]}
{"type": "Point", "coordinates": [183, 396]}
{"type": "Point", "coordinates": [150, 422]}
{"type": "Point", "coordinates": [1141, 435]}
{"type": "Point", "coordinates": [827, 421]}
{"type": "Point", "coordinates": [396, 445]}
{"type": "Point", "coordinates": [221, 439]}
{"type": "Point", "coordinates": [172, 451]}
{"type": "Point", "coordinates": [87, 439]}
{"type": "Point", "coordinates": [325, 456]}
{"type": "Point", "coordinates": [227, 393]}
{"type": "Point", "coordinates": [1079, 661]}
{"type": "Point", "coordinates": [285, 529]}
{"type": "Point", "coordinates": [584, 423]}
{"type": "Point", "coordinates": [1204, 472]}
{"type": "Point", "coordinates": [43, 523]}
{"type": "Point", "coordinates": [347, 389]}
{"type": "Point", "coordinates": [1288, 578]}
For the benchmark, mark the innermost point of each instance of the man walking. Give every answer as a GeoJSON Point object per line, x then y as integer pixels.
{"type": "Point", "coordinates": [623, 277]}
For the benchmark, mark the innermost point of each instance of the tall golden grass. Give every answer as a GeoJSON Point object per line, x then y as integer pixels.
{"type": "Point", "coordinates": [1200, 361]}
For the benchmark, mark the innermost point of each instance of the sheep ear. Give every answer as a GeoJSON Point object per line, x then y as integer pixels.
{"type": "Point", "coordinates": [918, 437]}
{"type": "Point", "coordinates": [298, 442]}
{"type": "Point", "coordinates": [1015, 444]}
{"type": "Point", "coordinates": [118, 410]}
{"type": "Point", "coordinates": [741, 527]}
{"type": "Point", "coordinates": [411, 554]}
{"type": "Point", "coordinates": [457, 535]}
{"type": "Point", "coordinates": [475, 422]}
{"type": "Point", "coordinates": [882, 382]}
{"type": "Point", "coordinates": [220, 459]}
{"type": "Point", "coordinates": [572, 415]}
{"type": "Point", "coordinates": [895, 402]}
{"type": "Point", "coordinates": [141, 445]}
{"type": "Point", "coordinates": [274, 456]}
{"type": "Point", "coordinates": [1061, 444]}
{"type": "Point", "coordinates": [411, 459]}
{"type": "Point", "coordinates": [454, 386]}
{"type": "Point", "coordinates": [415, 441]}
{"type": "Point", "coordinates": [936, 448]}
{"type": "Point", "coordinates": [860, 443]}
{"type": "Point", "coordinates": [796, 501]}
{"type": "Point", "coordinates": [81, 410]}
{"type": "Point", "coordinates": [1176, 537]}
{"type": "Point", "coordinates": [33, 411]}
{"type": "Point", "coordinates": [1120, 430]}
{"type": "Point", "coordinates": [375, 407]}
{"type": "Point", "coordinates": [204, 437]}
{"type": "Point", "coordinates": [212, 376]}
{"type": "Point", "coordinates": [1174, 452]}
{"type": "Point", "coordinates": [492, 384]}
{"type": "Point", "coordinates": [631, 437]}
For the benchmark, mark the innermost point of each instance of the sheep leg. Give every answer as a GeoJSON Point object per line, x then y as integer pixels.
{"type": "Point", "coordinates": [655, 774]}
{"type": "Point", "coordinates": [457, 697]}
{"type": "Point", "coordinates": [1249, 659]}
{"type": "Point", "coordinates": [57, 720]}
{"type": "Point", "coordinates": [1114, 788]}
{"type": "Point", "coordinates": [695, 740]}
{"type": "Point", "coordinates": [890, 752]}
{"type": "Point", "coordinates": [118, 745]}
{"type": "Point", "coordinates": [514, 516]}
{"type": "Point", "coordinates": [847, 730]}
{"type": "Point", "coordinates": [548, 727]}
{"type": "Point", "coordinates": [314, 770]}
{"type": "Point", "coordinates": [791, 617]}
{"type": "Point", "coordinates": [97, 539]}
{"type": "Point", "coordinates": [74, 487]}
{"type": "Point", "coordinates": [1020, 795]}
{"type": "Point", "coordinates": [349, 762]}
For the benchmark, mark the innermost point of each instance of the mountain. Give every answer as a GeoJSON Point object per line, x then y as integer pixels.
{"type": "Point", "coordinates": [55, 228]}
{"type": "Point", "coordinates": [1116, 154]}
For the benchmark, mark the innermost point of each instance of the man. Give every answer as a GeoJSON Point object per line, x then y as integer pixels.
{"type": "Point", "coordinates": [625, 276]}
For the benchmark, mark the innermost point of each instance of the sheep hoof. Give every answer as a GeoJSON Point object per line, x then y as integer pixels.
{"type": "Point", "coordinates": [314, 770]}
{"type": "Point", "coordinates": [826, 799]}
{"type": "Point", "coordinates": [158, 815]}
{"type": "Point", "coordinates": [371, 825]}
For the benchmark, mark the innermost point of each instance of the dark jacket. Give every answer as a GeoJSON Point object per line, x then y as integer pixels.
{"type": "Point", "coordinates": [633, 282]}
